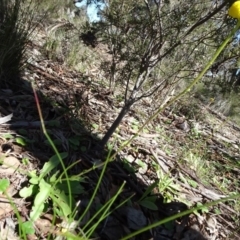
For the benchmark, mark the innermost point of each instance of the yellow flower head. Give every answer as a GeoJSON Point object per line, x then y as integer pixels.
{"type": "Point", "coordinates": [234, 10]}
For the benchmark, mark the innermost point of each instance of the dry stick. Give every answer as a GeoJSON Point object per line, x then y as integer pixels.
{"type": "Point", "coordinates": [205, 195]}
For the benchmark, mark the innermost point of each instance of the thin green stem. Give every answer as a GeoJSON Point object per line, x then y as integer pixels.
{"type": "Point", "coordinates": [52, 145]}
{"type": "Point", "coordinates": [96, 188]}
{"type": "Point", "coordinates": [187, 212]}
{"type": "Point", "coordinates": [20, 221]}
{"type": "Point", "coordinates": [106, 210]}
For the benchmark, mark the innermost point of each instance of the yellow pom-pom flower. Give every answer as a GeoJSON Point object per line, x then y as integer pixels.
{"type": "Point", "coordinates": [234, 10]}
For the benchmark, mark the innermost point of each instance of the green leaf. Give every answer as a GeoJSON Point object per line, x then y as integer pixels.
{"type": "Point", "coordinates": [95, 126]}
{"type": "Point", "coordinates": [141, 163]}
{"type": "Point", "coordinates": [66, 210]}
{"type": "Point", "coordinates": [62, 201]}
{"type": "Point", "coordinates": [70, 236]}
{"type": "Point", "coordinates": [41, 197]}
{"type": "Point", "coordinates": [25, 161]}
{"type": "Point", "coordinates": [36, 212]}
{"type": "Point", "coordinates": [192, 183]}
{"type": "Point", "coordinates": [28, 191]}
{"type": "Point", "coordinates": [33, 173]}
{"type": "Point", "coordinates": [44, 190]}
{"type": "Point", "coordinates": [76, 187]}
{"type": "Point", "coordinates": [52, 163]}
{"type": "Point", "coordinates": [53, 178]}
{"type": "Point", "coordinates": [148, 204]}
{"type": "Point", "coordinates": [4, 184]}
{"type": "Point", "coordinates": [134, 127]}
{"type": "Point", "coordinates": [203, 209]}
{"type": "Point", "coordinates": [77, 178]}
{"type": "Point", "coordinates": [21, 141]}
{"type": "Point", "coordinates": [149, 190]}
{"type": "Point", "coordinates": [151, 198]}
{"type": "Point", "coordinates": [217, 211]}
{"type": "Point", "coordinates": [34, 179]}
{"type": "Point", "coordinates": [7, 136]}
{"type": "Point", "coordinates": [109, 146]}
{"type": "Point", "coordinates": [127, 166]}
{"type": "Point", "coordinates": [28, 228]}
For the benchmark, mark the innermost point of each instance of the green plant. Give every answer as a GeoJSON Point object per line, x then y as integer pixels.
{"type": "Point", "coordinates": [197, 163]}
{"type": "Point", "coordinates": [24, 228]}
{"type": "Point", "coordinates": [61, 191]}
{"type": "Point", "coordinates": [54, 187]}
{"type": "Point", "coordinates": [16, 25]}
{"type": "Point", "coordinates": [166, 185]}
{"type": "Point", "coordinates": [47, 185]}
{"type": "Point", "coordinates": [149, 201]}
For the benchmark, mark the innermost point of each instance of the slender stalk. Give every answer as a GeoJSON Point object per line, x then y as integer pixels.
{"type": "Point", "coordinates": [187, 212]}
{"type": "Point", "coordinates": [52, 145]}
{"type": "Point", "coordinates": [96, 188]}
{"type": "Point", "coordinates": [106, 210]}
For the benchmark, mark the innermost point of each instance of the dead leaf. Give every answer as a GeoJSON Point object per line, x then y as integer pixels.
{"type": "Point", "coordinates": [7, 229]}
{"type": "Point", "coordinates": [9, 166]}
{"type": "Point", "coordinates": [5, 208]}
{"type": "Point", "coordinates": [44, 225]}
{"type": "Point", "coordinates": [6, 118]}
